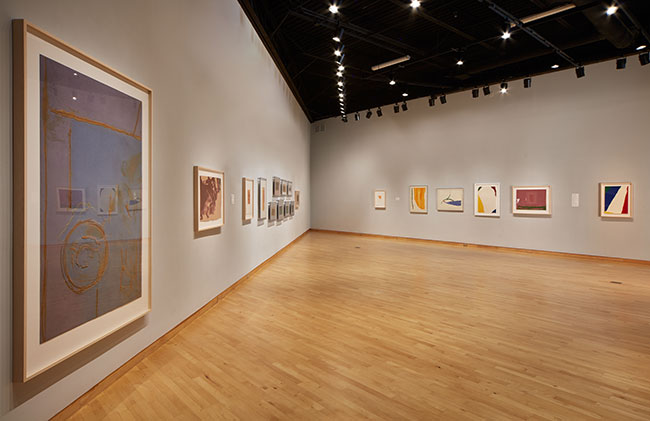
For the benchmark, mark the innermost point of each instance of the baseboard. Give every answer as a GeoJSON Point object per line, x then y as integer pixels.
{"type": "Point", "coordinates": [80, 402]}
{"type": "Point", "coordinates": [496, 248]}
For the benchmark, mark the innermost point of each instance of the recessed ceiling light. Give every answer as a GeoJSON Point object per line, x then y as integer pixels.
{"type": "Point", "coordinates": [415, 4]}
{"type": "Point", "coordinates": [334, 8]}
{"type": "Point", "coordinates": [611, 10]}
{"type": "Point", "coordinates": [641, 47]}
{"type": "Point", "coordinates": [460, 62]}
{"type": "Point", "coordinates": [506, 35]}
{"type": "Point", "coordinates": [555, 66]}
{"type": "Point", "coordinates": [392, 82]}
{"type": "Point", "coordinates": [74, 98]}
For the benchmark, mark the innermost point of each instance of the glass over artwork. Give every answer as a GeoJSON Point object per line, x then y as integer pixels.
{"type": "Point", "coordinates": [90, 198]}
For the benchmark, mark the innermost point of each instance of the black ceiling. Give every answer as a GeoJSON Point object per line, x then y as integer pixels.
{"type": "Point", "coordinates": [299, 36]}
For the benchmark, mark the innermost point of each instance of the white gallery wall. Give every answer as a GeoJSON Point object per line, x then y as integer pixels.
{"type": "Point", "coordinates": [219, 102]}
{"type": "Point", "coordinates": [565, 132]}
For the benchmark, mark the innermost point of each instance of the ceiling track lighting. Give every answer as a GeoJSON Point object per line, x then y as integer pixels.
{"type": "Point", "coordinates": [396, 108]}
{"type": "Point", "coordinates": [555, 66]}
{"type": "Point", "coordinates": [390, 63]}
{"type": "Point", "coordinates": [379, 112]}
{"type": "Point", "coordinates": [475, 93]}
{"type": "Point", "coordinates": [338, 36]}
{"type": "Point", "coordinates": [341, 68]}
{"type": "Point", "coordinates": [443, 99]}
{"type": "Point", "coordinates": [357, 117]}
{"type": "Point", "coordinates": [528, 82]}
{"type": "Point", "coordinates": [339, 51]}
{"type": "Point", "coordinates": [542, 15]}
{"type": "Point", "coordinates": [486, 90]}
{"type": "Point", "coordinates": [460, 62]}
{"type": "Point", "coordinates": [392, 82]}
{"type": "Point", "coordinates": [506, 35]}
{"type": "Point", "coordinates": [644, 58]}
{"type": "Point", "coordinates": [641, 47]}
{"type": "Point", "coordinates": [580, 72]}
{"type": "Point", "coordinates": [415, 4]}
{"type": "Point", "coordinates": [369, 114]}
{"type": "Point", "coordinates": [334, 9]}
{"type": "Point", "coordinates": [611, 10]}
{"type": "Point", "coordinates": [621, 63]}
{"type": "Point", "coordinates": [504, 87]}
{"type": "Point", "coordinates": [404, 106]}
{"type": "Point", "coordinates": [405, 94]}
{"type": "Point", "coordinates": [432, 101]}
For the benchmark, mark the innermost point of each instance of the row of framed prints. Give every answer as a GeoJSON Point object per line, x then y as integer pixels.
{"type": "Point", "coordinates": [209, 208]}
{"type": "Point", "coordinates": [615, 200]}
{"type": "Point", "coordinates": [282, 187]}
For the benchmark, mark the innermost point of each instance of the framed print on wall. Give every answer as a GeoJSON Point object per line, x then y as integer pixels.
{"type": "Point", "coordinates": [451, 200]}
{"type": "Point", "coordinates": [280, 209]}
{"type": "Point", "coordinates": [297, 199]}
{"type": "Point", "coordinates": [285, 187]}
{"type": "Point", "coordinates": [616, 200]}
{"type": "Point", "coordinates": [81, 261]}
{"type": "Point", "coordinates": [209, 209]}
{"type": "Point", "coordinates": [289, 188]}
{"type": "Point", "coordinates": [487, 199]}
{"type": "Point", "coordinates": [419, 201]}
{"type": "Point", "coordinates": [531, 200]}
{"type": "Point", "coordinates": [277, 186]}
{"type": "Point", "coordinates": [273, 210]}
{"type": "Point", "coordinates": [247, 198]}
{"type": "Point", "coordinates": [380, 199]}
{"type": "Point", "coordinates": [261, 198]}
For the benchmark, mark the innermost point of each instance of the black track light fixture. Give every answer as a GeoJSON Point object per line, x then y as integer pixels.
{"type": "Point", "coordinates": [475, 93]}
{"type": "Point", "coordinates": [404, 106]}
{"type": "Point", "coordinates": [504, 87]}
{"type": "Point", "coordinates": [580, 71]}
{"type": "Point", "coordinates": [379, 112]}
{"type": "Point", "coordinates": [621, 63]}
{"type": "Point", "coordinates": [338, 36]}
{"type": "Point", "coordinates": [528, 82]}
{"type": "Point", "coordinates": [357, 117]}
{"type": "Point", "coordinates": [396, 108]}
{"type": "Point", "coordinates": [432, 101]}
{"type": "Point", "coordinates": [486, 90]}
{"type": "Point", "coordinates": [443, 99]}
{"type": "Point", "coordinates": [344, 118]}
{"type": "Point", "coordinates": [369, 114]}
{"type": "Point", "coordinates": [644, 58]}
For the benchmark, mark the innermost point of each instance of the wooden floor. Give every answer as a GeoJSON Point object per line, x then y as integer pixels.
{"type": "Point", "coordinates": [347, 327]}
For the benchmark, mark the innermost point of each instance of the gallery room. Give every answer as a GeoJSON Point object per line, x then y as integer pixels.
{"type": "Point", "coordinates": [325, 210]}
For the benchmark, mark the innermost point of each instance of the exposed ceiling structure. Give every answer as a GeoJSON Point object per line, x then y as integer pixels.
{"type": "Point", "coordinates": [436, 36]}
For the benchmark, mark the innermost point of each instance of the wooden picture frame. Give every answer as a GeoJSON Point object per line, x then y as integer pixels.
{"type": "Point", "coordinates": [247, 200]}
{"type": "Point", "coordinates": [487, 199]}
{"type": "Point", "coordinates": [531, 200]}
{"type": "Point", "coordinates": [616, 200]}
{"type": "Point", "coordinates": [262, 207]}
{"type": "Point", "coordinates": [450, 199]}
{"type": "Point", "coordinates": [209, 199]}
{"type": "Point", "coordinates": [48, 76]}
{"type": "Point", "coordinates": [419, 199]}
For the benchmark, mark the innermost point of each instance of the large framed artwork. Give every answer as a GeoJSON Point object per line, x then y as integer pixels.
{"type": "Point", "coordinates": [380, 199]}
{"type": "Point", "coordinates": [616, 200]}
{"type": "Point", "coordinates": [82, 154]}
{"type": "Point", "coordinates": [277, 186]}
{"type": "Point", "coordinates": [531, 200]}
{"type": "Point", "coordinates": [247, 198]}
{"type": "Point", "coordinates": [487, 199]}
{"type": "Point", "coordinates": [209, 210]}
{"type": "Point", "coordinates": [297, 199]}
{"type": "Point", "coordinates": [451, 200]}
{"type": "Point", "coordinates": [261, 198]}
{"type": "Point", "coordinates": [419, 200]}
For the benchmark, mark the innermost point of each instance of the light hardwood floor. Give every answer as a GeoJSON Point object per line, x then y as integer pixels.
{"type": "Point", "coordinates": [349, 327]}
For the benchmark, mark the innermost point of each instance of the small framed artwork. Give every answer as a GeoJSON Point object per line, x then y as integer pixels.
{"type": "Point", "coordinates": [297, 199]}
{"type": "Point", "coordinates": [287, 208]}
{"type": "Point", "coordinates": [419, 199]}
{"type": "Point", "coordinates": [616, 200]}
{"type": "Point", "coordinates": [273, 210]}
{"type": "Point", "coordinates": [292, 208]}
{"type": "Point", "coordinates": [285, 187]}
{"type": "Point", "coordinates": [107, 200]}
{"type": "Point", "coordinates": [81, 141]}
{"type": "Point", "coordinates": [380, 199]}
{"type": "Point", "coordinates": [289, 188]}
{"type": "Point", "coordinates": [247, 198]}
{"type": "Point", "coordinates": [451, 200]}
{"type": "Point", "coordinates": [209, 211]}
{"type": "Point", "coordinates": [277, 186]}
{"type": "Point", "coordinates": [531, 200]}
{"type": "Point", "coordinates": [262, 210]}
{"type": "Point", "coordinates": [280, 209]}
{"type": "Point", "coordinates": [487, 199]}
{"type": "Point", "coordinates": [70, 200]}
